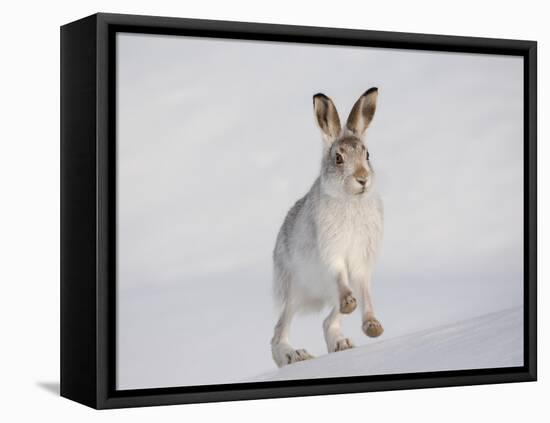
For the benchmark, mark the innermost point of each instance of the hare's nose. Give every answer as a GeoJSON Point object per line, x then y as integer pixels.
{"type": "Point", "coordinates": [361, 181]}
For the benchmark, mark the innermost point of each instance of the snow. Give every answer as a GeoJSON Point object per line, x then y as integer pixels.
{"type": "Point", "coordinates": [488, 341]}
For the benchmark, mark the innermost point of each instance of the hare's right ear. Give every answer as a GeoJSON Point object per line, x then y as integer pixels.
{"type": "Point", "coordinates": [327, 118]}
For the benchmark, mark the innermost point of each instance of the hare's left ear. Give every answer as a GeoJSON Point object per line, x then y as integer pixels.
{"type": "Point", "coordinates": [362, 112]}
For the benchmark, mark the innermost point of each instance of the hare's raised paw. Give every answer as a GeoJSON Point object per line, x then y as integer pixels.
{"type": "Point", "coordinates": [348, 303]}
{"type": "Point", "coordinates": [343, 344]}
{"type": "Point", "coordinates": [298, 355]}
{"type": "Point", "coordinates": [372, 327]}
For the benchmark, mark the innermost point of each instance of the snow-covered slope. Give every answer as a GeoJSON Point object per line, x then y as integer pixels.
{"type": "Point", "coordinates": [492, 340]}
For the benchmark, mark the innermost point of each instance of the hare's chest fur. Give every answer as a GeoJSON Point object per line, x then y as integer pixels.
{"type": "Point", "coordinates": [349, 233]}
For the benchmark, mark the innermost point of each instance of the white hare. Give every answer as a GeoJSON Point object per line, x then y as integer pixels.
{"type": "Point", "coordinates": [326, 248]}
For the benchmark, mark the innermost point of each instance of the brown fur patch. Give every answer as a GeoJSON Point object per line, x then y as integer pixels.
{"type": "Point", "coordinates": [361, 173]}
{"type": "Point", "coordinates": [350, 142]}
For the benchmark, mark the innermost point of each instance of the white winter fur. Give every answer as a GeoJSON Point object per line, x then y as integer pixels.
{"type": "Point", "coordinates": [326, 248]}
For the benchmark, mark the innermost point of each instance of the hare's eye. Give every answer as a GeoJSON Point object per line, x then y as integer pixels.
{"type": "Point", "coordinates": [339, 158]}
{"type": "Point", "coordinates": [368, 155]}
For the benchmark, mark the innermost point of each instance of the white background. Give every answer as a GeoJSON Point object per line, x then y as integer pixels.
{"type": "Point", "coordinates": [30, 214]}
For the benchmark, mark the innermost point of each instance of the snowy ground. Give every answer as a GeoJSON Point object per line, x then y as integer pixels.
{"type": "Point", "coordinates": [492, 340]}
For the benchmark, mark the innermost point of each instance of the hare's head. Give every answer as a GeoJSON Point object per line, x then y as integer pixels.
{"type": "Point", "coordinates": [346, 167]}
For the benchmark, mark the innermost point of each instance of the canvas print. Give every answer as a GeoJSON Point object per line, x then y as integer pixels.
{"type": "Point", "coordinates": [291, 211]}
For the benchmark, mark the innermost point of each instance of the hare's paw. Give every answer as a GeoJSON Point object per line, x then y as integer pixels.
{"type": "Point", "coordinates": [284, 353]}
{"type": "Point", "coordinates": [348, 303]}
{"type": "Point", "coordinates": [372, 327]}
{"type": "Point", "coordinates": [342, 344]}
{"type": "Point", "coordinates": [297, 355]}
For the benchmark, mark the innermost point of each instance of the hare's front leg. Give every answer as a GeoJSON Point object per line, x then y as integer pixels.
{"type": "Point", "coordinates": [348, 303]}
{"type": "Point", "coordinates": [333, 334]}
{"type": "Point", "coordinates": [371, 325]}
{"type": "Point", "coordinates": [283, 353]}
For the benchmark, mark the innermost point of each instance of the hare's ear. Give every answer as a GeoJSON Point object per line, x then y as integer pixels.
{"type": "Point", "coordinates": [327, 118]}
{"type": "Point", "coordinates": [362, 113]}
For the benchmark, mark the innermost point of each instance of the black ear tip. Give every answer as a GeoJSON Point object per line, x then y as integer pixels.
{"type": "Point", "coordinates": [320, 95]}
{"type": "Point", "coordinates": [371, 90]}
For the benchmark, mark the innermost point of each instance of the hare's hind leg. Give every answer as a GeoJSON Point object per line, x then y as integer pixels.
{"type": "Point", "coordinates": [333, 334]}
{"type": "Point", "coordinates": [283, 353]}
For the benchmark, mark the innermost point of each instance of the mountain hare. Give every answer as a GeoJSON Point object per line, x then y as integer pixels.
{"type": "Point", "coordinates": [325, 250]}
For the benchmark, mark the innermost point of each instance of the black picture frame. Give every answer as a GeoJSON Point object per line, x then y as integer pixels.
{"type": "Point", "coordinates": [88, 199]}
